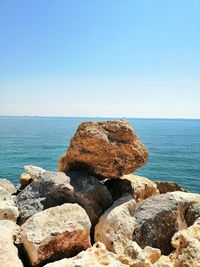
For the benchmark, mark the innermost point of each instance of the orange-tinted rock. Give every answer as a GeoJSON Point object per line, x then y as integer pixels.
{"type": "Point", "coordinates": [165, 187]}
{"type": "Point", "coordinates": [54, 233]}
{"type": "Point", "coordinates": [107, 149]}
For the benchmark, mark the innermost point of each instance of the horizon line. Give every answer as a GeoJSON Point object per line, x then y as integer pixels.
{"type": "Point", "coordinates": [98, 117]}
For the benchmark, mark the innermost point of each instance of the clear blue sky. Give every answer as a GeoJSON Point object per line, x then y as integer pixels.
{"type": "Point", "coordinates": [122, 58]}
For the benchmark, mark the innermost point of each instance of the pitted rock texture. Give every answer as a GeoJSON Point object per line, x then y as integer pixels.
{"type": "Point", "coordinates": [97, 256]}
{"type": "Point", "coordinates": [54, 233]}
{"type": "Point", "coordinates": [107, 149]}
{"type": "Point", "coordinates": [6, 184]}
{"type": "Point", "coordinates": [115, 227]}
{"type": "Point", "coordinates": [158, 218]}
{"type": "Point", "coordinates": [8, 209]}
{"type": "Point", "coordinates": [52, 189]}
{"type": "Point", "coordinates": [187, 245]}
{"type": "Point", "coordinates": [8, 252]}
{"type": "Point", "coordinates": [139, 187]}
{"type": "Point", "coordinates": [134, 256]}
{"type": "Point", "coordinates": [165, 187]}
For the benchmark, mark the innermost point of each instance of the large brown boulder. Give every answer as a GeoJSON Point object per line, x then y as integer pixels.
{"type": "Point", "coordinates": [54, 233]}
{"type": "Point", "coordinates": [107, 149]}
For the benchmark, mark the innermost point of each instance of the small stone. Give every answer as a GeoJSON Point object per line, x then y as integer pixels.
{"type": "Point", "coordinates": [165, 187]}
{"type": "Point", "coordinates": [54, 233]}
{"type": "Point", "coordinates": [25, 179]}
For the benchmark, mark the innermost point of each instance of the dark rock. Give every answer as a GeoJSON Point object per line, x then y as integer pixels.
{"type": "Point", "coordinates": [165, 187]}
{"type": "Point", "coordinates": [158, 218]}
{"type": "Point", "coordinates": [52, 189]}
{"type": "Point", "coordinates": [137, 186]}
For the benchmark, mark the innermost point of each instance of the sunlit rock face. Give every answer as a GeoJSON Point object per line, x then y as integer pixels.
{"type": "Point", "coordinates": [107, 149]}
{"type": "Point", "coordinates": [54, 233]}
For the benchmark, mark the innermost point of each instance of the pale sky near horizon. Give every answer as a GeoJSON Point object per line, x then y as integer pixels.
{"type": "Point", "coordinates": [105, 58]}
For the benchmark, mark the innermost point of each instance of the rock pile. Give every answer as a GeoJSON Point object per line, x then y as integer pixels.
{"type": "Point", "coordinates": [94, 212]}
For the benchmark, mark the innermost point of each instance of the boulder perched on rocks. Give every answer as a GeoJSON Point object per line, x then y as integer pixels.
{"type": "Point", "coordinates": [187, 245]}
{"type": "Point", "coordinates": [139, 187]}
{"type": "Point", "coordinates": [52, 189]}
{"type": "Point", "coordinates": [165, 187]}
{"type": "Point", "coordinates": [8, 252]}
{"type": "Point", "coordinates": [8, 209]}
{"type": "Point", "coordinates": [97, 256]}
{"type": "Point", "coordinates": [115, 227]}
{"type": "Point", "coordinates": [54, 233]}
{"type": "Point", "coordinates": [6, 184]}
{"type": "Point", "coordinates": [107, 149]}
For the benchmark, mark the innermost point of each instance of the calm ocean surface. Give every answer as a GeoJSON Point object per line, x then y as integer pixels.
{"type": "Point", "coordinates": [174, 146]}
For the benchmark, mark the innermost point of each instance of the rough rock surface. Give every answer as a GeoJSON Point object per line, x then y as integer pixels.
{"type": "Point", "coordinates": [139, 187]}
{"type": "Point", "coordinates": [97, 256]}
{"type": "Point", "coordinates": [34, 171]}
{"type": "Point", "coordinates": [25, 179]}
{"type": "Point", "coordinates": [107, 149]}
{"type": "Point", "coordinates": [6, 184]}
{"type": "Point", "coordinates": [8, 251]}
{"type": "Point", "coordinates": [165, 187]}
{"type": "Point", "coordinates": [57, 232]}
{"type": "Point", "coordinates": [8, 209]}
{"type": "Point", "coordinates": [187, 244]}
{"type": "Point", "coordinates": [52, 189]}
{"type": "Point", "coordinates": [134, 256]}
{"type": "Point", "coordinates": [193, 213]}
{"type": "Point", "coordinates": [157, 219]}
{"type": "Point", "coordinates": [116, 225]}
{"type": "Point", "coordinates": [164, 261]}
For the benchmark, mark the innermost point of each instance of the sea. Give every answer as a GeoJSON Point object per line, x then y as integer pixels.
{"type": "Point", "coordinates": [173, 145]}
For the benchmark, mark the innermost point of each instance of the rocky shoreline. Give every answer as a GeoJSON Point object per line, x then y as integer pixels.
{"type": "Point", "coordinates": [95, 212]}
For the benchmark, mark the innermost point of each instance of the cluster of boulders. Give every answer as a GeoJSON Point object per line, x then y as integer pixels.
{"type": "Point", "coordinates": [94, 212]}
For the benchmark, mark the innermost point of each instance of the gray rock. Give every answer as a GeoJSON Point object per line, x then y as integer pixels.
{"type": "Point", "coordinates": [52, 189]}
{"type": "Point", "coordinates": [158, 218]}
{"type": "Point", "coordinates": [193, 213]}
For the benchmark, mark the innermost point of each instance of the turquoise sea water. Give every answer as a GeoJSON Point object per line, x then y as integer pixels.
{"type": "Point", "coordinates": [174, 146]}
